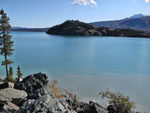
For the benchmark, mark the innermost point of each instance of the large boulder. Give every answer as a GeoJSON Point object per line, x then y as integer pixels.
{"type": "Point", "coordinates": [35, 85]}
{"type": "Point", "coordinates": [46, 104]}
{"type": "Point", "coordinates": [12, 95]}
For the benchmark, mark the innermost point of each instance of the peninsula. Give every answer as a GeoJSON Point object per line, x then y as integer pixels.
{"type": "Point", "coordinates": [77, 28]}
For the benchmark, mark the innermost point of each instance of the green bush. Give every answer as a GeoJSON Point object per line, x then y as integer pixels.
{"type": "Point", "coordinates": [11, 73]}
{"type": "Point", "coordinates": [75, 99]}
{"type": "Point", "coordinates": [9, 79]}
{"type": "Point", "coordinates": [121, 103]}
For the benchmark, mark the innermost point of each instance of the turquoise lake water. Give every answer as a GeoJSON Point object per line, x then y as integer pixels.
{"type": "Point", "coordinates": [87, 65]}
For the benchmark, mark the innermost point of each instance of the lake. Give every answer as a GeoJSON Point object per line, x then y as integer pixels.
{"type": "Point", "coordinates": [87, 65]}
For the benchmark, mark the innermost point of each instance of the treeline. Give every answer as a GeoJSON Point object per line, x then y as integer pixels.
{"type": "Point", "coordinates": [6, 47]}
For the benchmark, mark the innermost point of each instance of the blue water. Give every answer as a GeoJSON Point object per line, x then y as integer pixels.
{"type": "Point", "coordinates": [87, 65]}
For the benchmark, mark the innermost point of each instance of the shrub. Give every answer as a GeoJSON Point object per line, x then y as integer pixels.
{"type": "Point", "coordinates": [75, 99]}
{"type": "Point", "coordinates": [72, 96]}
{"type": "Point", "coordinates": [11, 73]}
{"type": "Point", "coordinates": [121, 103]}
{"type": "Point", "coordinates": [55, 90]}
{"type": "Point", "coordinates": [9, 79]}
{"type": "Point", "coordinates": [19, 73]}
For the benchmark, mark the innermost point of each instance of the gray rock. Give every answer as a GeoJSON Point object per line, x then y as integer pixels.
{"type": "Point", "coordinates": [46, 104]}
{"type": "Point", "coordinates": [1, 82]}
{"type": "Point", "coordinates": [111, 109]}
{"type": "Point", "coordinates": [35, 85]}
{"type": "Point", "coordinates": [12, 95]}
{"type": "Point", "coordinates": [8, 107]}
{"type": "Point", "coordinates": [6, 85]}
{"type": "Point", "coordinates": [91, 107]}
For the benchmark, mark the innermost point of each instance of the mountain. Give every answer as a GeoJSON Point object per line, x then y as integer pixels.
{"type": "Point", "coordinates": [137, 22]}
{"type": "Point", "coordinates": [136, 16]}
{"type": "Point", "coordinates": [23, 29]}
{"type": "Point", "coordinates": [77, 28]}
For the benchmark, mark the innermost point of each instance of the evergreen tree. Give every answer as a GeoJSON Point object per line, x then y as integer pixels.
{"type": "Point", "coordinates": [6, 43]}
{"type": "Point", "coordinates": [10, 78]}
{"type": "Point", "coordinates": [19, 73]}
{"type": "Point", "coordinates": [11, 73]}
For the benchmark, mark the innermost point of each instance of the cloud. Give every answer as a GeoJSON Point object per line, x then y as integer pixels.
{"type": "Point", "coordinates": [85, 2]}
{"type": "Point", "coordinates": [146, 1]}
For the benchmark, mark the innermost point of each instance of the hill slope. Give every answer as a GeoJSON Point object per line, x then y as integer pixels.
{"type": "Point", "coordinates": [137, 22]}
{"type": "Point", "coordinates": [74, 28]}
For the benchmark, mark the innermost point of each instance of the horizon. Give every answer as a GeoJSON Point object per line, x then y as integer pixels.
{"type": "Point", "coordinates": [74, 20]}
{"type": "Point", "coordinates": [39, 14]}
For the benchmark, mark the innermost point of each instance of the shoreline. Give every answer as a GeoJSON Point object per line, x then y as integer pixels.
{"type": "Point", "coordinates": [82, 99]}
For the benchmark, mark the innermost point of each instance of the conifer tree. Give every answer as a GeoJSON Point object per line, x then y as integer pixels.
{"type": "Point", "coordinates": [11, 73]}
{"type": "Point", "coordinates": [19, 73]}
{"type": "Point", "coordinates": [6, 43]}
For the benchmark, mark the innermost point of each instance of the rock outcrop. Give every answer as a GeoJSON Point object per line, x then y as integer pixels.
{"type": "Point", "coordinates": [46, 104]}
{"type": "Point", "coordinates": [41, 100]}
{"type": "Point", "coordinates": [83, 107]}
{"type": "Point", "coordinates": [35, 85]}
{"type": "Point", "coordinates": [33, 95]}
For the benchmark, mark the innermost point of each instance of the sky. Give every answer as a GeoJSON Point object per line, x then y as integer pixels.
{"type": "Point", "coordinates": [47, 13]}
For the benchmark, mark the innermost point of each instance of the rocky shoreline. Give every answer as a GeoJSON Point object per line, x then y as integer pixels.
{"type": "Point", "coordinates": [35, 94]}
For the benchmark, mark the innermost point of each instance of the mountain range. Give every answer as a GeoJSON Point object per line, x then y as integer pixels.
{"type": "Point", "coordinates": [136, 22]}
